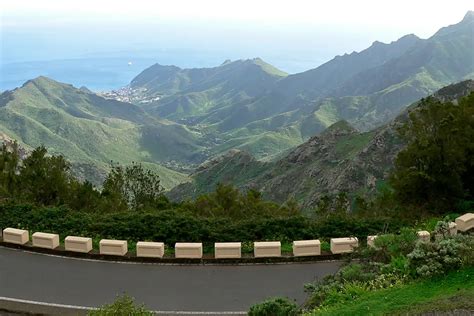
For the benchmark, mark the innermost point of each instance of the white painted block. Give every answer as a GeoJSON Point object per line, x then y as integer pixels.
{"type": "Point", "coordinates": [227, 250]}
{"type": "Point", "coordinates": [16, 236]}
{"type": "Point", "coordinates": [344, 245]}
{"type": "Point", "coordinates": [465, 222]}
{"type": "Point", "coordinates": [150, 249]}
{"type": "Point", "coordinates": [306, 248]}
{"type": "Point", "coordinates": [113, 247]}
{"type": "Point", "coordinates": [190, 250]}
{"type": "Point", "coordinates": [45, 240]}
{"type": "Point", "coordinates": [78, 244]}
{"type": "Point", "coordinates": [267, 249]}
{"type": "Point", "coordinates": [423, 235]}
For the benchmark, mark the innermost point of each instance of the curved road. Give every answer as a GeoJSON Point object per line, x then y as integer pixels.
{"type": "Point", "coordinates": [196, 288]}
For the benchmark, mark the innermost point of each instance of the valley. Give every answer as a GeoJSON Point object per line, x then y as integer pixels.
{"type": "Point", "coordinates": [246, 122]}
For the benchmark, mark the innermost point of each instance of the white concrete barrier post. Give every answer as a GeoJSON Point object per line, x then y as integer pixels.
{"type": "Point", "coordinates": [78, 244]}
{"type": "Point", "coordinates": [423, 235]}
{"type": "Point", "coordinates": [16, 236]}
{"type": "Point", "coordinates": [306, 248]}
{"type": "Point", "coordinates": [267, 249]}
{"type": "Point", "coordinates": [189, 250]}
{"type": "Point", "coordinates": [45, 240]}
{"type": "Point", "coordinates": [371, 240]}
{"type": "Point", "coordinates": [113, 247]}
{"type": "Point", "coordinates": [150, 249]}
{"type": "Point", "coordinates": [344, 245]}
{"type": "Point", "coordinates": [224, 250]}
{"type": "Point", "coordinates": [465, 222]}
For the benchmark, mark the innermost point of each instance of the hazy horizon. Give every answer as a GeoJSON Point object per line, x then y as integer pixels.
{"type": "Point", "coordinates": [99, 39]}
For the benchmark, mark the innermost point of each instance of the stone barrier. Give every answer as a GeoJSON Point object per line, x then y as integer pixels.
{"type": "Point", "coordinates": [227, 250]}
{"type": "Point", "coordinates": [344, 245]}
{"type": "Point", "coordinates": [465, 222]}
{"type": "Point", "coordinates": [113, 247]}
{"type": "Point", "coordinates": [16, 236]}
{"type": "Point", "coordinates": [423, 235]}
{"type": "Point", "coordinates": [371, 240]}
{"type": "Point", "coordinates": [453, 228]}
{"type": "Point", "coordinates": [45, 240]}
{"type": "Point", "coordinates": [267, 249]}
{"type": "Point", "coordinates": [78, 244]}
{"type": "Point", "coordinates": [222, 250]}
{"type": "Point", "coordinates": [306, 248]}
{"type": "Point", "coordinates": [150, 249]}
{"type": "Point", "coordinates": [190, 250]}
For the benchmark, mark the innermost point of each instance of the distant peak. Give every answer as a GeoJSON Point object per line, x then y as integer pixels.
{"type": "Point", "coordinates": [85, 89]}
{"type": "Point", "coordinates": [469, 16]}
{"type": "Point", "coordinates": [341, 127]}
{"type": "Point", "coordinates": [408, 37]}
{"type": "Point", "coordinates": [40, 80]}
{"type": "Point", "coordinates": [227, 61]}
{"type": "Point", "coordinates": [377, 43]}
{"type": "Point", "coordinates": [268, 68]}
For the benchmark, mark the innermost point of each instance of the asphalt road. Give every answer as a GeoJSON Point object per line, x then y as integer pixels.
{"type": "Point", "coordinates": [198, 288]}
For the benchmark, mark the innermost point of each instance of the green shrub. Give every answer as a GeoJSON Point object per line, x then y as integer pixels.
{"type": "Point", "coordinates": [123, 306]}
{"type": "Point", "coordinates": [388, 246]}
{"type": "Point", "coordinates": [174, 225]}
{"type": "Point", "coordinates": [274, 307]}
{"type": "Point", "coordinates": [440, 256]}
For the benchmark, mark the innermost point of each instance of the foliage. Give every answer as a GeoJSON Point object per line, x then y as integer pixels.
{"type": "Point", "coordinates": [390, 247]}
{"type": "Point", "coordinates": [441, 256]}
{"type": "Point", "coordinates": [437, 166]}
{"type": "Point", "coordinates": [123, 306]}
{"type": "Point", "coordinates": [274, 307]}
{"type": "Point", "coordinates": [132, 186]}
{"type": "Point", "coordinates": [395, 259]}
{"type": "Point", "coordinates": [46, 180]}
{"type": "Point", "coordinates": [9, 169]}
{"type": "Point", "coordinates": [228, 201]}
{"type": "Point", "coordinates": [446, 293]}
{"type": "Point", "coordinates": [348, 283]}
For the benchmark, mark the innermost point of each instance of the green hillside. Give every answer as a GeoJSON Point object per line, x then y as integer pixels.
{"type": "Point", "coordinates": [182, 117]}
{"type": "Point", "coordinates": [339, 159]}
{"type": "Point", "coordinates": [250, 105]}
{"type": "Point", "coordinates": [92, 131]}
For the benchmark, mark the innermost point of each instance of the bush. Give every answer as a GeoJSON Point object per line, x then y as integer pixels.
{"type": "Point", "coordinates": [389, 246]}
{"type": "Point", "coordinates": [274, 307]}
{"type": "Point", "coordinates": [441, 255]}
{"type": "Point", "coordinates": [347, 283]}
{"type": "Point", "coordinates": [123, 306]}
{"type": "Point", "coordinates": [170, 226]}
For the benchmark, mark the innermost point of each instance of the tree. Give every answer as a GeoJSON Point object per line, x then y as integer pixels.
{"type": "Point", "coordinates": [9, 170]}
{"type": "Point", "coordinates": [44, 180]}
{"type": "Point", "coordinates": [132, 186]}
{"type": "Point", "coordinates": [436, 167]}
{"type": "Point", "coordinates": [83, 196]}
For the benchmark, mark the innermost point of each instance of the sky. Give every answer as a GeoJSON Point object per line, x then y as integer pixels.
{"type": "Point", "coordinates": [293, 35]}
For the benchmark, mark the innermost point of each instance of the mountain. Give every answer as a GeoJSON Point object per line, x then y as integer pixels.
{"type": "Point", "coordinates": [174, 119]}
{"type": "Point", "coordinates": [236, 167]}
{"type": "Point", "coordinates": [339, 159]}
{"type": "Point", "coordinates": [92, 131]}
{"type": "Point", "coordinates": [187, 94]}
{"type": "Point", "coordinates": [254, 107]}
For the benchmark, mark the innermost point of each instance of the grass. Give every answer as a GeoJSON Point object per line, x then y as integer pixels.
{"type": "Point", "coordinates": [446, 293]}
{"type": "Point", "coordinates": [350, 145]}
{"type": "Point", "coordinates": [93, 131]}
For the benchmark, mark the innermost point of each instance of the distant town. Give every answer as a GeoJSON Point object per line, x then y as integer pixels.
{"type": "Point", "coordinates": [130, 95]}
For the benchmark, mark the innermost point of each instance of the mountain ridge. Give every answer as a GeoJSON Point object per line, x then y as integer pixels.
{"type": "Point", "coordinates": [341, 159]}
